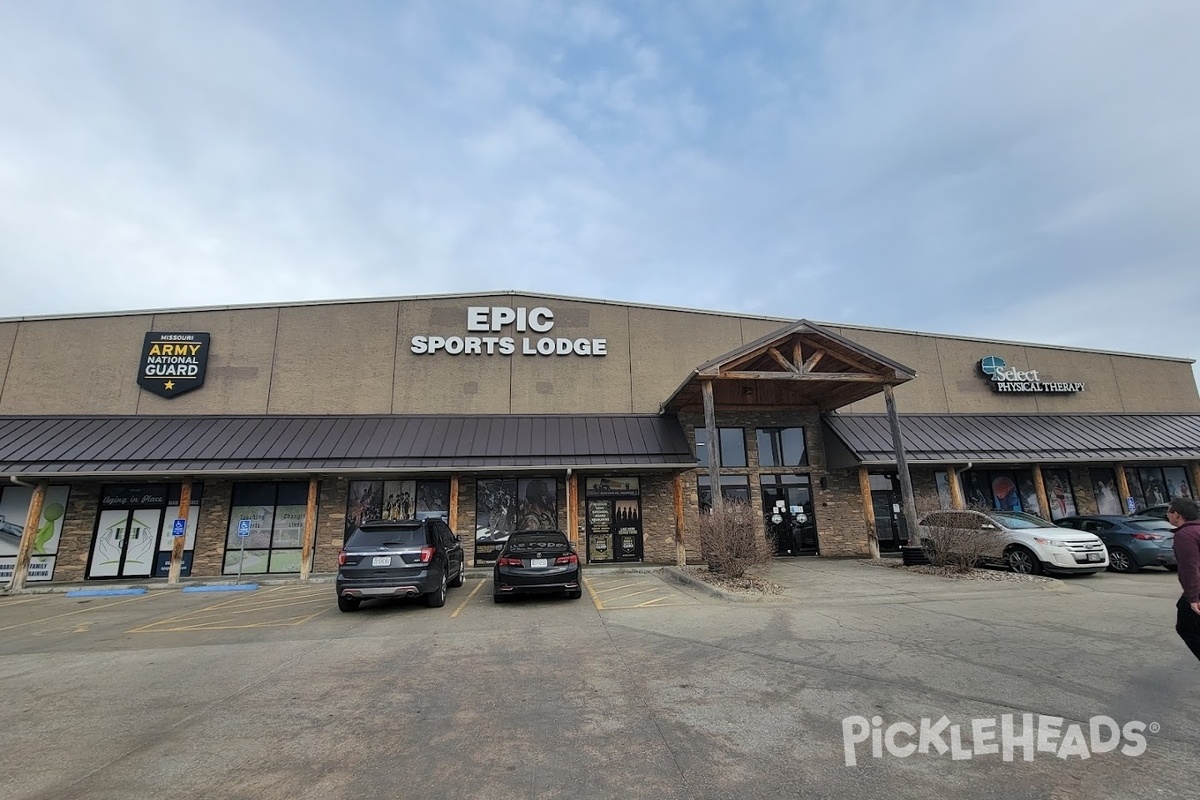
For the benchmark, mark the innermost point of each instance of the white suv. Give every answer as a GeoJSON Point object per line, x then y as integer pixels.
{"type": "Point", "coordinates": [1022, 542]}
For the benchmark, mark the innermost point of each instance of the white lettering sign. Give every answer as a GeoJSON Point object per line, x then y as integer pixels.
{"type": "Point", "coordinates": [495, 319]}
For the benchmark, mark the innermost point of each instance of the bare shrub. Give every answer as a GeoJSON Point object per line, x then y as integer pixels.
{"type": "Point", "coordinates": [956, 548]}
{"type": "Point", "coordinates": [733, 541]}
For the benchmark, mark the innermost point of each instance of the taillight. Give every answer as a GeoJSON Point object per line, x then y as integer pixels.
{"type": "Point", "coordinates": [427, 554]}
{"type": "Point", "coordinates": [570, 558]}
{"type": "Point", "coordinates": [1152, 537]}
{"type": "Point", "coordinates": [509, 561]}
{"type": "Point", "coordinates": [341, 557]}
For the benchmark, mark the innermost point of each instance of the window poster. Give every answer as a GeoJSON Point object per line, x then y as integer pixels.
{"type": "Point", "coordinates": [14, 508]}
{"type": "Point", "coordinates": [1059, 493]}
{"type": "Point", "coordinates": [1104, 486]}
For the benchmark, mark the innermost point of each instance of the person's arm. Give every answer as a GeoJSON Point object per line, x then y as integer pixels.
{"type": "Point", "coordinates": [1187, 555]}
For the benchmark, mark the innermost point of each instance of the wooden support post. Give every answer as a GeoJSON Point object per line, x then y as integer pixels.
{"type": "Point", "coordinates": [1039, 485]}
{"type": "Point", "coordinates": [906, 489]}
{"type": "Point", "coordinates": [179, 543]}
{"type": "Point", "coordinates": [713, 447]}
{"type": "Point", "coordinates": [864, 484]}
{"type": "Point", "coordinates": [1123, 487]}
{"type": "Point", "coordinates": [573, 508]}
{"type": "Point", "coordinates": [32, 520]}
{"type": "Point", "coordinates": [310, 529]}
{"type": "Point", "coordinates": [453, 521]}
{"type": "Point", "coordinates": [956, 495]}
{"type": "Point", "coordinates": [680, 545]}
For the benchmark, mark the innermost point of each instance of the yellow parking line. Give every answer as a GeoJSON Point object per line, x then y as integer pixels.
{"type": "Point", "coordinates": [463, 604]}
{"type": "Point", "coordinates": [634, 594]}
{"type": "Point", "coordinates": [607, 589]}
{"type": "Point", "coordinates": [655, 600]}
{"type": "Point", "coordinates": [193, 612]}
{"type": "Point", "coordinates": [78, 611]}
{"type": "Point", "coordinates": [16, 601]}
{"type": "Point", "coordinates": [204, 626]}
{"type": "Point", "coordinates": [595, 597]}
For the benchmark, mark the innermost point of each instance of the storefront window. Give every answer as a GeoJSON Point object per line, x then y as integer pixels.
{"type": "Point", "coordinates": [276, 515]}
{"type": "Point", "coordinates": [734, 488]}
{"type": "Point", "coordinates": [1154, 486]}
{"type": "Point", "coordinates": [1003, 489]}
{"type": "Point", "coordinates": [1059, 493]}
{"type": "Point", "coordinates": [14, 508]}
{"type": "Point", "coordinates": [781, 447]}
{"type": "Point", "coordinates": [1104, 487]}
{"type": "Point", "coordinates": [393, 500]}
{"type": "Point", "coordinates": [505, 505]}
{"type": "Point", "coordinates": [732, 451]}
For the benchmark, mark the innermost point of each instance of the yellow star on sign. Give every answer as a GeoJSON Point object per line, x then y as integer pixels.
{"type": "Point", "coordinates": [169, 385]}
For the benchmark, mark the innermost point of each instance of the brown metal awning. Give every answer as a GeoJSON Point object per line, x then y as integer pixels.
{"type": "Point", "coordinates": [801, 366]}
{"type": "Point", "coordinates": [1014, 438]}
{"type": "Point", "coordinates": [268, 444]}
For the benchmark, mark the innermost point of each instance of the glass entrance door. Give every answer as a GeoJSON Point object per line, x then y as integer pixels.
{"type": "Point", "coordinates": [613, 511]}
{"type": "Point", "coordinates": [889, 522]}
{"type": "Point", "coordinates": [788, 512]}
{"type": "Point", "coordinates": [125, 543]}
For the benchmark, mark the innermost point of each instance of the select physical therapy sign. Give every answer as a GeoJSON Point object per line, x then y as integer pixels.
{"type": "Point", "coordinates": [493, 321]}
{"type": "Point", "coordinates": [1010, 379]}
{"type": "Point", "coordinates": [173, 363]}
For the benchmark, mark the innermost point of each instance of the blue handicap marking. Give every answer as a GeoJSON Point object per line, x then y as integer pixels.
{"type": "Point", "coordinates": [179, 527]}
{"type": "Point", "coordinates": [243, 527]}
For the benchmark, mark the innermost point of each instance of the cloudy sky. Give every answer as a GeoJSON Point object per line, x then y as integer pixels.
{"type": "Point", "coordinates": [1017, 170]}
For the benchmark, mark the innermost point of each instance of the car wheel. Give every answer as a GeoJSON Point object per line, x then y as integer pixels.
{"type": "Point", "coordinates": [461, 576]}
{"type": "Point", "coordinates": [437, 598]}
{"type": "Point", "coordinates": [348, 603]}
{"type": "Point", "coordinates": [575, 594]}
{"type": "Point", "coordinates": [499, 598]}
{"type": "Point", "coordinates": [1022, 561]}
{"type": "Point", "coordinates": [1121, 560]}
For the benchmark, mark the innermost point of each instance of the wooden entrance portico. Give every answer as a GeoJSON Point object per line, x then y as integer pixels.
{"type": "Point", "coordinates": [804, 367]}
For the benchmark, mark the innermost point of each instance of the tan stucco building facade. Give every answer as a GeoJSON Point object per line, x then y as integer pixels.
{"type": "Point", "coordinates": [472, 360]}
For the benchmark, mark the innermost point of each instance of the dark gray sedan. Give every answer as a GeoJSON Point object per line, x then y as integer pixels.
{"type": "Point", "coordinates": [1132, 542]}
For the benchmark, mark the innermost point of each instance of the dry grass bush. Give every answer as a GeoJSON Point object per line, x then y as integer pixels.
{"type": "Point", "coordinates": [733, 541]}
{"type": "Point", "coordinates": [954, 548]}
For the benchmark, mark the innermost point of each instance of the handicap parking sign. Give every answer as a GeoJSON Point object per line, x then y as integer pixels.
{"type": "Point", "coordinates": [243, 527]}
{"type": "Point", "coordinates": [179, 527]}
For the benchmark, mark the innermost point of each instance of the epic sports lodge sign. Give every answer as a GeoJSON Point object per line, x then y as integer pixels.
{"type": "Point", "coordinates": [173, 363]}
{"type": "Point", "coordinates": [496, 320]}
{"type": "Point", "coordinates": [1010, 379]}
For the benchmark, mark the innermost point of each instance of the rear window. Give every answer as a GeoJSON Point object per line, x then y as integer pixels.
{"type": "Point", "coordinates": [388, 537]}
{"type": "Point", "coordinates": [534, 542]}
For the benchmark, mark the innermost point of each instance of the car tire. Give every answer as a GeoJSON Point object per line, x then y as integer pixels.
{"type": "Point", "coordinates": [348, 603]}
{"type": "Point", "coordinates": [1121, 560]}
{"type": "Point", "coordinates": [461, 576]}
{"type": "Point", "coordinates": [575, 594]}
{"type": "Point", "coordinates": [1171, 567]}
{"type": "Point", "coordinates": [437, 598]}
{"type": "Point", "coordinates": [498, 598]}
{"type": "Point", "coordinates": [1023, 561]}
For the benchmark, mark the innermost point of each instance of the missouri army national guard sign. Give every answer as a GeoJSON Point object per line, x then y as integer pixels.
{"type": "Point", "coordinates": [173, 363]}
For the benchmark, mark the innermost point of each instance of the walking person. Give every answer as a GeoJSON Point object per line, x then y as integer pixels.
{"type": "Point", "coordinates": [1184, 516]}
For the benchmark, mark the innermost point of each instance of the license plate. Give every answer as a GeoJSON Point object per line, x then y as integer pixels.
{"type": "Point", "coordinates": [381, 561]}
{"type": "Point", "coordinates": [539, 562]}
{"type": "Point", "coordinates": [1094, 557]}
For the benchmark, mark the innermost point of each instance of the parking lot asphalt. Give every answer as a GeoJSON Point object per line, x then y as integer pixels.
{"type": "Point", "coordinates": [642, 689]}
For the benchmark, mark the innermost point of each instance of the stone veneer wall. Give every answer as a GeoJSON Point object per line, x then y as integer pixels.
{"type": "Point", "coordinates": [79, 523]}
{"type": "Point", "coordinates": [838, 507]}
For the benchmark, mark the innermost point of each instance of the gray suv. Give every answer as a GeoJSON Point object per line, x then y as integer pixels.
{"type": "Point", "coordinates": [409, 558]}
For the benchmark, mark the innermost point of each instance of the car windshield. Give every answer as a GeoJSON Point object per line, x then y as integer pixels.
{"type": "Point", "coordinates": [1018, 520]}
{"type": "Point", "coordinates": [1150, 525]}
{"type": "Point", "coordinates": [407, 536]}
{"type": "Point", "coordinates": [534, 542]}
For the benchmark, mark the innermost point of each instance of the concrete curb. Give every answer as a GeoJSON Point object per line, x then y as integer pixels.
{"type": "Point", "coordinates": [223, 587]}
{"type": "Point", "coordinates": [104, 592]}
{"type": "Point", "coordinates": [677, 575]}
